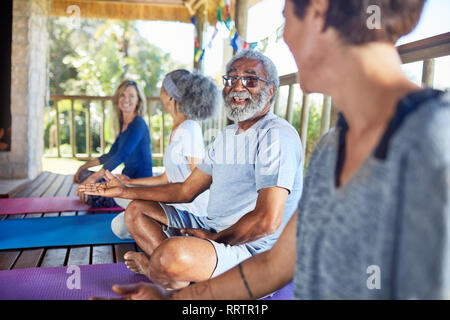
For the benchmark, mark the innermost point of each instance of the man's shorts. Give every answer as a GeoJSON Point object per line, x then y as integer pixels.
{"type": "Point", "coordinates": [227, 256]}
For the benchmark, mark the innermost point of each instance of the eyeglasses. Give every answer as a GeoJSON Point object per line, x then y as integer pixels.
{"type": "Point", "coordinates": [247, 81]}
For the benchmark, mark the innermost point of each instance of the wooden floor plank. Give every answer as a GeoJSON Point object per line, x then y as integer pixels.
{"type": "Point", "coordinates": [29, 258]}
{"type": "Point", "coordinates": [54, 257]}
{"type": "Point", "coordinates": [121, 249]}
{"type": "Point", "coordinates": [102, 254]}
{"type": "Point", "coordinates": [66, 186]}
{"type": "Point", "coordinates": [8, 258]}
{"type": "Point", "coordinates": [42, 190]}
{"type": "Point", "coordinates": [48, 185]}
{"type": "Point", "coordinates": [79, 256]}
{"type": "Point", "coordinates": [32, 186]}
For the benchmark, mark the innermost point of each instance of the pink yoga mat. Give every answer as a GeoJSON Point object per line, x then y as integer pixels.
{"type": "Point", "coordinates": [46, 205]}
{"type": "Point", "coordinates": [78, 283]}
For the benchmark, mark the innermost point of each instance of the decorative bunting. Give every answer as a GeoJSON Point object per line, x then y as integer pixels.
{"type": "Point", "coordinates": [238, 44]}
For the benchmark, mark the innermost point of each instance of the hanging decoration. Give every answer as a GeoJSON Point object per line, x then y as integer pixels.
{"type": "Point", "coordinates": [224, 16]}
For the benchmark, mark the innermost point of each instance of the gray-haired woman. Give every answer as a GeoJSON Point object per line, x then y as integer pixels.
{"type": "Point", "coordinates": [187, 97]}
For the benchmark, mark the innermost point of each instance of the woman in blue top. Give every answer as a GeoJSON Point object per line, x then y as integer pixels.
{"type": "Point", "coordinates": [132, 146]}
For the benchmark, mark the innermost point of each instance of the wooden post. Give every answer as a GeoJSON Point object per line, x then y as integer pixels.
{"type": "Point", "coordinates": [428, 73]}
{"type": "Point", "coordinates": [149, 113]}
{"type": "Point", "coordinates": [326, 114]}
{"type": "Point", "coordinates": [290, 104]}
{"type": "Point", "coordinates": [102, 129]}
{"type": "Point", "coordinates": [58, 142]}
{"type": "Point", "coordinates": [334, 114]}
{"type": "Point", "coordinates": [161, 130]}
{"type": "Point", "coordinates": [72, 129]}
{"type": "Point", "coordinates": [241, 17]}
{"type": "Point", "coordinates": [276, 108]}
{"type": "Point", "coordinates": [304, 122]}
{"type": "Point", "coordinates": [202, 26]}
{"type": "Point", "coordinates": [88, 129]}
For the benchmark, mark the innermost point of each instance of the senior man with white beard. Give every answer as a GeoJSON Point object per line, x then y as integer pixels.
{"type": "Point", "coordinates": [253, 169]}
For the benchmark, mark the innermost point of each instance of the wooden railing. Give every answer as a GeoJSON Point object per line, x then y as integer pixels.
{"type": "Point", "coordinates": [425, 50]}
{"type": "Point", "coordinates": [152, 105]}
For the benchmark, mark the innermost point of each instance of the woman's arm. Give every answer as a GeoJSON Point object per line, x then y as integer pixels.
{"type": "Point", "coordinates": [91, 163]}
{"type": "Point", "coordinates": [129, 140]}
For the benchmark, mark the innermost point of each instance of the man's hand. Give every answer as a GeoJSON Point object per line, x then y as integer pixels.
{"type": "Point", "coordinates": [112, 188]}
{"type": "Point", "coordinates": [125, 179]}
{"type": "Point", "coordinates": [139, 291]}
{"type": "Point", "coordinates": [82, 195]}
{"type": "Point", "coordinates": [199, 233]}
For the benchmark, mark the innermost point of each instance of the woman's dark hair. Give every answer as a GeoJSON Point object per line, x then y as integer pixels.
{"type": "Point", "coordinates": [349, 18]}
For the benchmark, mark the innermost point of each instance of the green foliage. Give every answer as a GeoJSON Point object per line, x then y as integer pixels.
{"type": "Point", "coordinates": [314, 125]}
{"type": "Point", "coordinates": [93, 60]}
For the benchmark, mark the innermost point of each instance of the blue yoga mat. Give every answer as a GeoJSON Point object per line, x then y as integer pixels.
{"type": "Point", "coordinates": [57, 232]}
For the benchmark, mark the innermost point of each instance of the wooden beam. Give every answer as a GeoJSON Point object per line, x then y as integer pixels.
{"type": "Point", "coordinates": [289, 79]}
{"type": "Point", "coordinates": [434, 47]}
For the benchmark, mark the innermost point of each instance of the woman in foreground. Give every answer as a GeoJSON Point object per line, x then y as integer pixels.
{"type": "Point", "coordinates": [373, 222]}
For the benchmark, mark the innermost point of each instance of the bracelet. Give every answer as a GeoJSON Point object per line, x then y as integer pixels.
{"type": "Point", "coordinates": [245, 282]}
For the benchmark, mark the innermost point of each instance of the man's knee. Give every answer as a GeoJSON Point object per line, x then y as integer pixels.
{"type": "Point", "coordinates": [170, 259]}
{"type": "Point", "coordinates": [131, 213]}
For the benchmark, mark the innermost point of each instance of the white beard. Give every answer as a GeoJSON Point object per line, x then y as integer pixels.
{"type": "Point", "coordinates": [255, 105]}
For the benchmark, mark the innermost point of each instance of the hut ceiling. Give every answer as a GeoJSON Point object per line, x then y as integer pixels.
{"type": "Point", "coordinates": [164, 10]}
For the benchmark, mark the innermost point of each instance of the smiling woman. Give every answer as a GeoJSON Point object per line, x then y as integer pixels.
{"type": "Point", "coordinates": [132, 146]}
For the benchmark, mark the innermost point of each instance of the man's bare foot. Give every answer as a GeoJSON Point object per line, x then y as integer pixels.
{"type": "Point", "coordinates": [137, 262]}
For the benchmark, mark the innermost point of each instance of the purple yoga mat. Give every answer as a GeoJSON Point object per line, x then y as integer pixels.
{"type": "Point", "coordinates": [55, 283]}
{"type": "Point", "coordinates": [46, 205]}
{"type": "Point", "coordinates": [78, 283]}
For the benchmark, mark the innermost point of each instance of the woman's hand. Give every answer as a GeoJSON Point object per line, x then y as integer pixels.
{"type": "Point", "coordinates": [112, 188]}
{"type": "Point", "coordinates": [139, 291]}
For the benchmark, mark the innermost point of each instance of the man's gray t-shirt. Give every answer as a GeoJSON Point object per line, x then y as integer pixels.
{"type": "Point", "coordinates": [385, 233]}
{"type": "Point", "coordinates": [269, 154]}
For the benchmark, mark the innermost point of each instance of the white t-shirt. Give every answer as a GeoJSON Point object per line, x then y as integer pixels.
{"type": "Point", "coordinates": [187, 141]}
